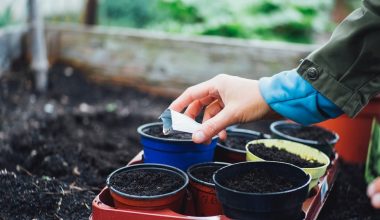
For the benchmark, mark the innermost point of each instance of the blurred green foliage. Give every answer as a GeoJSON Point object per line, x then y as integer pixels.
{"type": "Point", "coordinates": [289, 20]}
{"type": "Point", "coordinates": [372, 169]}
{"type": "Point", "coordinates": [5, 17]}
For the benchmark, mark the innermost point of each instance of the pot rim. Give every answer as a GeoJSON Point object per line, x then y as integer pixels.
{"type": "Point", "coordinates": [239, 131]}
{"type": "Point", "coordinates": [142, 133]}
{"type": "Point", "coordinates": [263, 194]}
{"type": "Point", "coordinates": [292, 142]}
{"type": "Point", "coordinates": [172, 169]}
{"type": "Point", "coordinates": [193, 178]}
{"type": "Point", "coordinates": [306, 141]}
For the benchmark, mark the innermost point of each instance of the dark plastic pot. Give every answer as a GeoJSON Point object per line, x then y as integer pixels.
{"type": "Point", "coordinates": [204, 194]}
{"type": "Point", "coordinates": [172, 200]}
{"type": "Point", "coordinates": [232, 155]}
{"type": "Point", "coordinates": [263, 206]}
{"type": "Point", "coordinates": [326, 147]}
{"type": "Point", "coordinates": [174, 152]}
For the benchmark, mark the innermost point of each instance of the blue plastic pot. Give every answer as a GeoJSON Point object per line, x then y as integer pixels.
{"type": "Point", "coordinates": [174, 152]}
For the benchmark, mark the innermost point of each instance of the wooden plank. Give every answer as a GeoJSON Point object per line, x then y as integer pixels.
{"type": "Point", "coordinates": [171, 62]}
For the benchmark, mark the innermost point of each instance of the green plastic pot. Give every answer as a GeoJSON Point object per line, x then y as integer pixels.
{"type": "Point", "coordinates": [302, 150]}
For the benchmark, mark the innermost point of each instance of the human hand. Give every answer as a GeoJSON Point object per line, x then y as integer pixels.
{"type": "Point", "coordinates": [373, 192]}
{"type": "Point", "coordinates": [228, 100]}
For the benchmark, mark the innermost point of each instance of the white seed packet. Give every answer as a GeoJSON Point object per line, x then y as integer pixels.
{"type": "Point", "coordinates": [175, 121]}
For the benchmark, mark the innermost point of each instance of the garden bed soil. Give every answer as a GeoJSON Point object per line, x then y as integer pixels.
{"type": "Point", "coordinates": [276, 154]}
{"type": "Point", "coordinates": [148, 182]}
{"type": "Point", "coordinates": [205, 173]}
{"type": "Point", "coordinates": [70, 139]}
{"type": "Point", "coordinates": [156, 131]}
{"type": "Point", "coordinates": [259, 181]}
{"type": "Point", "coordinates": [307, 132]}
{"type": "Point", "coordinates": [237, 142]}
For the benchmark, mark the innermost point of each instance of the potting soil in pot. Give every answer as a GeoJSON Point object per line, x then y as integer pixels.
{"type": "Point", "coordinates": [146, 182]}
{"type": "Point", "coordinates": [156, 131]}
{"type": "Point", "coordinates": [276, 154]}
{"type": "Point", "coordinates": [306, 132]}
{"type": "Point", "coordinates": [205, 173]}
{"type": "Point", "coordinates": [237, 142]}
{"type": "Point", "coordinates": [259, 181]}
{"type": "Point", "coordinates": [91, 137]}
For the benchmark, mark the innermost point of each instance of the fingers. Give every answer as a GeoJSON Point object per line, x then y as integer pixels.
{"type": "Point", "coordinates": [213, 126]}
{"type": "Point", "coordinates": [212, 109]}
{"type": "Point", "coordinates": [373, 191]}
{"type": "Point", "coordinates": [196, 106]}
{"type": "Point", "coordinates": [193, 93]}
{"type": "Point", "coordinates": [375, 200]}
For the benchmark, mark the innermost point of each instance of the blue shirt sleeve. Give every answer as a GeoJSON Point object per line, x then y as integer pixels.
{"type": "Point", "coordinates": [291, 96]}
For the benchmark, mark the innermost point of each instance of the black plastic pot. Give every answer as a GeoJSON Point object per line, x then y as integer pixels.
{"type": "Point", "coordinates": [263, 206]}
{"type": "Point", "coordinates": [232, 155]}
{"type": "Point", "coordinates": [326, 147]}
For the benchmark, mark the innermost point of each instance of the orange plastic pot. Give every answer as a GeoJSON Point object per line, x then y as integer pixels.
{"type": "Point", "coordinates": [355, 132]}
{"type": "Point", "coordinates": [172, 200]}
{"type": "Point", "coordinates": [204, 193]}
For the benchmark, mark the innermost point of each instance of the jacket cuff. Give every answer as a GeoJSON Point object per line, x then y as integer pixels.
{"type": "Point", "coordinates": [294, 98]}
{"type": "Point", "coordinates": [346, 99]}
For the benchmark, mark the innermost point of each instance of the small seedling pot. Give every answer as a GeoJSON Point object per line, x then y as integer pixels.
{"type": "Point", "coordinates": [326, 147]}
{"type": "Point", "coordinates": [204, 194]}
{"type": "Point", "coordinates": [226, 153]}
{"type": "Point", "coordinates": [259, 206]}
{"type": "Point", "coordinates": [302, 150]}
{"type": "Point", "coordinates": [171, 200]}
{"type": "Point", "coordinates": [174, 152]}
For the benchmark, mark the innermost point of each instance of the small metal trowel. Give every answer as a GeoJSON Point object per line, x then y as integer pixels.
{"type": "Point", "coordinates": [175, 121]}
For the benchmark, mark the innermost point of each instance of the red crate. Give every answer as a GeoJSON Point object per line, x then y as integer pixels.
{"type": "Point", "coordinates": [103, 208]}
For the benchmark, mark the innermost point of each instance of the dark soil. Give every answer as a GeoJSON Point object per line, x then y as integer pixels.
{"type": "Point", "coordinates": [276, 154]}
{"type": "Point", "coordinates": [348, 199]}
{"type": "Point", "coordinates": [307, 132]}
{"type": "Point", "coordinates": [259, 181]}
{"type": "Point", "coordinates": [156, 131]}
{"type": "Point", "coordinates": [76, 135]}
{"type": "Point", "coordinates": [262, 126]}
{"type": "Point", "coordinates": [79, 132]}
{"type": "Point", "coordinates": [29, 197]}
{"type": "Point", "coordinates": [146, 182]}
{"type": "Point", "coordinates": [238, 142]}
{"type": "Point", "coordinates": [205, 173]}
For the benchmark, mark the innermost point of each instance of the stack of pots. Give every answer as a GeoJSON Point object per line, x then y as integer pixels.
{"type": "Point", "coordinates": [212, 196]}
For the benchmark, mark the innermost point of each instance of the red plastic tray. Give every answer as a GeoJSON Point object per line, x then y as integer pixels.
{"type": "Point", "coordinates": [103, 208]}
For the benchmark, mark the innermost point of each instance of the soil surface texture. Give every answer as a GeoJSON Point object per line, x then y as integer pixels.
{"type": "Point", "coordinates": [348, 199]}
{"type": "Point", "coordinates": [64, 144]}
{"type": "Point", "coordinates": [205, 173]}
{"type": "Point", "coordinates": [147, 182]}
{"type": "Point", "coordinates": [238, 142]}
{"type": "Point", "coordinates": [156, 131]}
{"type": "Point", "coordinates": [276, 154]}
{"type": "Point", "coordinates": [259, 181]}
{"type": "Point", "coordinates": [313, 133]}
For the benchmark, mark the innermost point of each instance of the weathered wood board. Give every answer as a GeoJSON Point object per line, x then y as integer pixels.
{"type": "Point", "coordinates": [166, 62]}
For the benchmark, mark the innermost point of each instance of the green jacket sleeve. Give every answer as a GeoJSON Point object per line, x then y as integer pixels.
{"type": "Point", "coordinates": [346, 69]}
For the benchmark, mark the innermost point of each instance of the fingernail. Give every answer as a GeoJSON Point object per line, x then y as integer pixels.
{"type": "Point", "coordinates": [371, 190]}
{"type": "Point", "coordinates": [376, 200]}
{"type": "Point", "coordinates": [199, 137]}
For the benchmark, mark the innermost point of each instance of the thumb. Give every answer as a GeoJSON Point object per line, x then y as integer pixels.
{"type": "Point", "coordinates": [213, 126]}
